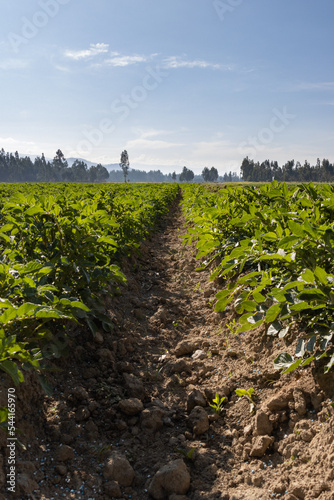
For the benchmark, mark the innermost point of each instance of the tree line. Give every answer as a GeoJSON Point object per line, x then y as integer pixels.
{"type": "Point", "coordinates": [13, 168]}
{"type": "Point", "coordinates": [291, 171]}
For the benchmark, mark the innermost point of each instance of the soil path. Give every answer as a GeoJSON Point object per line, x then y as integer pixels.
{"type": "Point", "coordinates": [127, 404]}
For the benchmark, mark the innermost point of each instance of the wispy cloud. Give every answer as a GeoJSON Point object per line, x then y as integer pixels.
{"type": "Point", "coordinates": [94, 50]}
{"type": "Point", "coordinates": [176, 62]}
{"type": "Point", "coordinates": [119, 60]}
{"type": "Point", "coordinates": [116, 59]}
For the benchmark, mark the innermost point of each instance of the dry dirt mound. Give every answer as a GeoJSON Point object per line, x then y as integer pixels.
{"type": "Point", "coordinates": [130, 415]}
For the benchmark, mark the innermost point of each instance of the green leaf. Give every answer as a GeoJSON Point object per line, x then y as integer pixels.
{"type": "Point", "coordinates": [296, 229]}
{"type": "Point", "coordinates": [246, 305]}
{"type": "Point", "coordinates": [283, 360]}
{"type": "Point", "coordinates": [273, 312]}
{"type": "Point", "coordinates": [293, 366]}
{"type": "Point", "coordinates": [222, 303]}
{"type": "Point", "coordinates": [107, 240]}
{"type": "Point", "coordinates": [12, 369]}
{"type": "Point", "coordinates": [321, 275]}
{"type": "Point", "coordinates": [288, 242]}
{"type": "Point", "coordinates": [307, 361]}
{"type": "Point", "coordinates": [34, 211]}
{"type": "Point", "coordinates": [312, 294]}
{"type": "Point", "coordinates": [308, 276]}
{"type": "Point", "coordinates": [271, 236]}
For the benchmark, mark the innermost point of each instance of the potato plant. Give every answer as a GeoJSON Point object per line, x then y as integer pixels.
{"type": "Point", "coordinates": [60, 252]}
{"type": "Point", "coordinates": [273, 247]}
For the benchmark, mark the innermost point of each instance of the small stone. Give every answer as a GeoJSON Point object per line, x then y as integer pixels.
{"type": "Point", "coordinates": [80, 393]}
{"type": "Point", "coordinates": [112, 489]}
{"type": "Point", "coordinates": [199, 420]}
{"type": "Point", "coordinates": [119, 469]}
{"type": "Point", "coordinates": [279, 401]}
{"type": "Point", "coordinates": [263, 426]}
{"type": "Point", "coordinates": [184, 347]}
{"type": "Point", "coordinates": [134, 386]}
{"type": "Point", "coordinates": [98, 338]}
{"type": "Point", "coordinates": [152, 420]}
{"type": "Point", "coordinates": [64, 453]}
{"type": "Point", "coordinates": [61, 469]}
{"type": "Point", "coordinates": [195, 398]}
{"type": "Point", "coordinates": [172, 478]}
{"type": "Point", "coordinates": [260, 445]}
{"type": "Point", "coordinates": [131, 406]}
{"type": "Point", "coordinates": [199, 354]}
{"type": "Point", "coordinates": [248, 430]}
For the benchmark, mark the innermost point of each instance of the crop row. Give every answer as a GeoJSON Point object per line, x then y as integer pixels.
{"type": "Point", "coordinates": [272, 248]}
{"type": "Point", "coordinates": [60, 251]}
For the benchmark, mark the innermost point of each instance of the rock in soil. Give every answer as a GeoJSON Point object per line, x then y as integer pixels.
{"type": "Point", "coordinates": [172, 478]}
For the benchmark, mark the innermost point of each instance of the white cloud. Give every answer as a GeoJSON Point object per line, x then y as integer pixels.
{"type": "Point", "coordinates": [119, 60]}
{"type": "Point", "coordinates": [116, 59]}
{"type": "Point", "coordinates": [176, 62]}
{"type": "Point", "coordinates": [94, 50]}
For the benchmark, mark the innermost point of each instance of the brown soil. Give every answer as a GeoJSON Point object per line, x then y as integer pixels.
{"type": "Point", "coordinates": [282, 450]}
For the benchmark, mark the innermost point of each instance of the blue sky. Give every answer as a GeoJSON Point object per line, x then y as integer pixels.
{"type": "Point", "coordinates": [178, 82]}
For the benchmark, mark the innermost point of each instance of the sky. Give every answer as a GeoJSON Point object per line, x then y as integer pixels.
{"type": "Point", "coordinates": [176, 83]}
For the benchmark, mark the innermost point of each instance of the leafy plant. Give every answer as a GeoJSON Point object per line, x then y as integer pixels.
{"type": "Point", "coordinates": [217, 403]}
{"type": "Point", "coordinates": [188, 455]}
{"type": "Point", "coordinates": [272, 246]}
{"type": "Point", "coordinates": [248, 395]}
{"type": "Point", "coordinates": [61, 248]}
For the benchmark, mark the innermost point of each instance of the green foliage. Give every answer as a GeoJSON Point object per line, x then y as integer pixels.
{"type": "Point", "coordinates": [60, 252]}
{"type": "Point", "coordinates": [247, 394]}
{"type": "Point", "coordinates": [188, 455]}
{"type": "Point", "coordinates": [218, 403]}
{"type": "Point", "coordinates": [273, 248]}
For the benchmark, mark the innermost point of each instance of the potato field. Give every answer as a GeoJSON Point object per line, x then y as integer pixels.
{"type": "Point", "coordinates": [166, 341]}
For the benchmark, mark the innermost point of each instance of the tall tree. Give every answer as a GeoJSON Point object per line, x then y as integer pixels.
{"type": "Point", "coordinates": [186, 175]}
{"type": "Point", "coordinates": [125, 164]}
{"type": "Point", "coordinates": [206, 174]}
